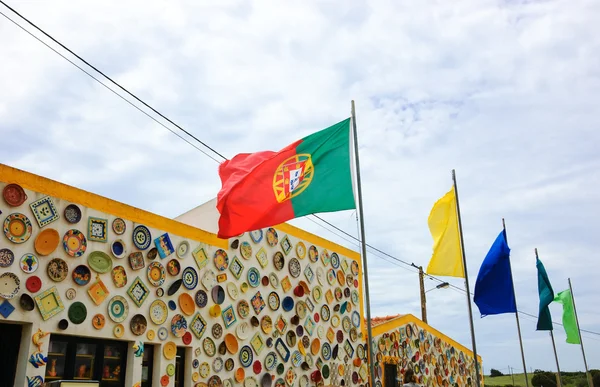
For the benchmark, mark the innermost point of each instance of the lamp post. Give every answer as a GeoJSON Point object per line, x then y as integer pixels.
{"type": "Point", "coordinates": [443, 285]}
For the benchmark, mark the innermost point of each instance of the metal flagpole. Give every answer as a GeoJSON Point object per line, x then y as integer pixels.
{"type": "Point", "coordinates": [464, 258]}
{"type": "Point", "coordinates": [516, 312]}
{"type": "Point", "coordinates": [556, 357]}
{"type": "Point", "coordinates": [363, 245]}
{"type": "Point", "coordinates": [553, 343]}
{"type": "Point", "coordinates": [587, 372]}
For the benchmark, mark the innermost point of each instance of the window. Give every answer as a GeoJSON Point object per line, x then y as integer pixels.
{"type": "Point", "coordinates": [389, 375]}
{"type": "Point", "coordinates": [147, 363]}
{"type": "Point", "coordinates": [179, 367]}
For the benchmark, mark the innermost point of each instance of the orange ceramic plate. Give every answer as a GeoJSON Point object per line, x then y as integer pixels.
{"type": "Point", "coordinates": [47, 241]}
{"type": "Point", "coordinates": [315, 347]}
{"type": "Point", "coordinates": [98, 321]}
{"type": "Point", "coordinates": [187, 304]}
{"type": "Point", "coordinates": [231, 343]}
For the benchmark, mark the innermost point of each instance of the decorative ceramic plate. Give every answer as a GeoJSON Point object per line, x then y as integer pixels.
{"type": "Point", "coordinates": [77, 312]}
{"type": "Point", "coordinates": [136, 260]}
{"type": "Point", "coordinates": [325, 313]}
{"type": "Point", "coordinates": [201, 298]}
{"type": "Point", "coordinates": [221, 260]}
{"type": "Point", "coordinates": [278, 260]}
{"type": "Point", "coordinates": [70, 294]}
{"type": "Point", "coordinates": [354, 268]}
{"type": "Point", "coordinates": [270, 361]}
{"type": "Point", "coordinates": [313, 254]}
{"type": "Point", "coordinates": [178, 325]}
{"type": "Point", "coordinates": [346, 324]}
{"type": "Point", "coordinates": [355, 319]}
{"type": "Point", "coordinates": [138, 324]}
{"type": "Point", "coordinates": [119, 276]}
{"type": "Point", "coordinates": [208, 279]}
{"type": "Point", "coordinates": [335, 321]}
{"type": "Point", "coordinates": [243, 309]}
{"type": "Point", "coordinates": [266, 324]}
{"type": "Point", "coordinates": [14, 195]}
{"type": "Point", "coordinates": [44, 211]}
{"type": "Point", "coordinates": [98, 321]}
{"type": "Point", "coordinates": [233, 291]}
{"type": "Point", "coordinates": [190, 278]}
{"type": "Point", "coordinates": [186, 304]}
{"type": "Point", "coordinates": [7, 257]}
{"type": "Point", "coordinates": [272, 237]}
{"type": "Point", "coordinates": [335, 260]}
{"type": "Point", "coordinates": [152, 253]}
{"type": "Point", "coordinates": [9, 285]}
{"type": "Point", "coordinates": [118, 249]}
{"type": "Point", "coordinates": [74, 243]}
{"type": "Point", "coordinates": [173, 267]}
{"type": "Point", "coordinates": [163, 333]}
{"type": "Point", "coordinates": [29, 263]}
{"type": "Point", "coordinates": [47, 241]}
{"type": "Point", "coordinates": [141, 237]}
{"type": "Point", "coordinates": [246, 356]}
{"type": "Point", "coordinates": [217, 331]}
{"type": "Point", "coordinates": [169, 350]}
{"type": "Point", "coordinates": [72, 214]}
{"type": "Point", "coordinates": [253, 277]}
{"type": "Point", "coordinates": [246, 250]}
{"type": "Point", "coordinates": [182, 249]}
{"type": "Point", "coordinates": [273, 301]}
{"type": "Point", "coordinates": [100, 262]}
{"type": "Point", "coordinates": [156, 273]}
{"type": "Point", "coordinates": [326, 351]}
{"type": "Point", "coordinates": [209, 347]}
{"type": "Point", "coordinates": [256, 236]}
{"type": "Point", "coordinates": [331, 276]}
{"type": "Point", "coordinates": [204, 369]}
{"type": "Point", "coordinates": [294, 267]}
{"type": "Point", "coordinates": [301, 309]}
{"type": "Point", "coordinates": [218, 294]}
{"type": "Point", "coordinates": [118, 309]}
{"type": "Point", "coordinates": [119, 331]}
{"type": "Point", "coordinates": [158, 312]}
{"type": "Point", "coordinates": [17, 228]}
{"type": "Point", "coordinates": [57, 269]}
{"type": "Point", "coordinates": [119, 226]}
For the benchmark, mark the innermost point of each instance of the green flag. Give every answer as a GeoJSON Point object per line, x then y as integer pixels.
{"type": "Point", "coordinates": [546, 297]}
{"type": "Point", "coordinates": [569, 321]}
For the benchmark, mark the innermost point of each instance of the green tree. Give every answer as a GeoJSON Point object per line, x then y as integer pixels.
{"type": "Point", "coordinates": [494, 372]}
{"type": "Point", "coordinates": [543, 378]}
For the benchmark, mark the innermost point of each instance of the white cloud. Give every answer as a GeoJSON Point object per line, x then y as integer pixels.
{"type": "Point", "coordinates": [503, 91]}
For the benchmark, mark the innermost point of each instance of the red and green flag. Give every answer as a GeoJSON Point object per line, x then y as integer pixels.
{"type": "Point", "coordinates": [264, 189]}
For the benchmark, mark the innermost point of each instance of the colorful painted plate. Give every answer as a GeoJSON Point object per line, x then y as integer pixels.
{"type": "Point", "coordinates": [119, 276]}
{"type": "Point", "coordinates": [156, 273]}
{"type": "Point", "coordinates": [253, 277]}
{"type": "Point", "coordinates": [72, 214]}
{"type": "Point", "coordinates": [273, 301]}
{"type": "Point", "coordinates": [17, 228]}
{"type": "Point", "coordinates": [173, 267]}
{"type": "Point", "coordinates": [221, 260]}
{"type": "Point", "coordinates": [178, 325]}
{"type": "Point", "coordinates": [201, 298]}
{"type": "Point", "coordinates": [119, 331]}
{"type": "Point", "coordinates": [294, 267]}
{"type": "Point", "coordinates": [256, 236]}
{"type": "Point", "coordinates": [190, 278]}
{"type": "Point", "coordinates": [14, 195]}
{"type": "Point", "coordinates": [119, 226]}
{"type": "Point", "coordinates": [77, 312]}
{"type": "Point", "coordinates": [243, 309]}
{"type": "Point", "coordinates": [158, 312]}
{"type": "Point", "coordinates": [74, 243]}
{"type": "Point", "coordinates": [118, 309]}
{"type": "Point", "coordinates": [182, 249]}
{"type": "Point", "coordinates": [272, 237]}
{"type": "Point", "coordinates": [278, 260]}
{"type": "Point", "coordinates": [57, 269]}
{"type": "Point", "coordinates": [9, 285]}
{"type": "Point", "coordinates": [47, 241]}
{"type": "Point", "coordinates": [335, 260]}
{"type": "Point", "coordinates": [246, 250]}
{"type": "Point", "coordinates": [100, 262]}
{"type": "Point", "coordinates": [138, 324]}
{"type": "Point", "coordinates": [163, 333]}
{"type": "Point", "coordinates": [70, 294]}
{"type": "Point", "coordinates": [141, 237]}
{"type": "Point", "coordinates": [152, 253]}
{"type": "Point", "coordinates": [118, 249]}
{"type": "Point", "coordinates": [98, 321]}
{"type": "Point", "coordinates": [246, 356]}
{"type": "Point", "coordinates": [29, 263]}
{"type": "Point", "coordinates": [313, 254]}
{"type": "Point", "coordinates": [209, 347]}
{"type": "Point", "coordinates": [7, 257]}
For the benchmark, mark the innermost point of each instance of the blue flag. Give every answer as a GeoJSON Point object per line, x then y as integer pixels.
{"type": "Point", "coordinates": [494, 293]}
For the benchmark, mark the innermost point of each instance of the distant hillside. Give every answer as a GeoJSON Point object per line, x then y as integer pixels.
{"type": "Point", "coordinates": [507, 380]}
{"type": "Point", "coordinates": [543, 378]}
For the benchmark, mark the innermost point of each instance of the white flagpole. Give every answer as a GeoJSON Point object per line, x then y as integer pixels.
{"type": "Point", "coordinates": [363, 245]}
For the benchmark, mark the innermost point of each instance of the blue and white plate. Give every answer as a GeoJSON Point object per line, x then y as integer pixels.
{"type": "Point", "coordinates": [253, 277]}
{"type": "Point", "coordinates": [190, 278]}
{"type": "Point", "coordinates": [201, 298]}
{"type": "Point", "coordinates": [141, 237]}
{"type": "Point", "coordinates": [163, 333]}
{"type": "Point", "coordinates": [326, 351]}
{"type": "Point", "coordinates": [335, 260]}
{"type": "Point", "coordinates": [246, 356]}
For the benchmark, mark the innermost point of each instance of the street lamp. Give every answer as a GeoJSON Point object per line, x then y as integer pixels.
{"type": "Point", "coordinates": [443, 285]}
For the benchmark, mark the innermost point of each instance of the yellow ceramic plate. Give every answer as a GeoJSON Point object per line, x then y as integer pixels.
{"type": "Point", "coordinates": [118, 331]}
{"type": "Point", "coordinates": [150, 335]}
{"type": "Point", "coordinates": [170, 350]}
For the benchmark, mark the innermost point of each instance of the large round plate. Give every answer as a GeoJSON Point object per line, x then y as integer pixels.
{"type": "Point", "coordinates": [29, 263]}
{"type": "Point", "coordinates": [7, 257]}
{"type": "Point", "coordinates": [295, 268]}
{"type": "Point", "coordinates": [141, 237]}
{"type": "Point", "coordinates": [201, 298]}
{"type": "Point", "coordinates": [74, 243]}
{"type": "Point", "coordinates": [170, 350]}
{"type": "Point", "coordinates": [72, 213]}
{"type": "Point", "coordinates": [186, 304]}
{"type": "Point", "coordinates": [17, 228]}
{"type": "Point", "coordinates": [246, 250]}
{"type": "Point", "coordinates": [14, 195]}
{"type": "Point", "coordinates": [138, 324]}
{"type": "Point", "coordinates": [9, 285]}
{"type": "Point", "coordinates": [119, 226]}
{"type": "Point", "coordinates": [221, 260]}
{"type": "Point", "coordinates": [47, 241]}
{"type": "Point", "coordinates": [273, 301]}
{"type": "Point", "coordinates": [99, 262]}
{"type": "Point", "coordinates": [57, 269]}
{"type": "Point", "coordinates": [119, 276]}
{"type": "Point", "coordinates": [253, 277]}
{"type": "Point", "coordinates": [246, 356]}
{"type": "Point", "coordinates": [272, 237]}
{"type": "Point", "coordinates": [156, 273]}
{"type": "Point", "coordinates": [158, 312]}
{"type": "Point", "coordinates": [118, 309]}
{"type": "Point", "coordinates": [77, 312]}
{"type": "Point", "coordinates": [178, 325]}
{"type": "Point", "coordinates": [190, 278]}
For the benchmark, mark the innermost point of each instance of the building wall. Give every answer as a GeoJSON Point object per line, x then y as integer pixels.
{"type": "Point", "coordinates": [350, 346]}
{"type": "Point", "coordinates": [437, 360]}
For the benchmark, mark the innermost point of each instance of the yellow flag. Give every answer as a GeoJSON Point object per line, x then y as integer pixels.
{"type": "Point", "coordinates": [443, 225]}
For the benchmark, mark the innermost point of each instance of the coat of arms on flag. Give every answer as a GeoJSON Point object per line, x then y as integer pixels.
{"type": "Point", "coordinates": [292, 177]}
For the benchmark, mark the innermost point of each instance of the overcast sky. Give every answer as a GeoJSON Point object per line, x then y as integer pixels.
{"type": "Point", "coordinates": [502, 91]}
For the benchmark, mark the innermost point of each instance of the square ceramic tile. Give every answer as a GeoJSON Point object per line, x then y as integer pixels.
{"type": "Point", "coordinates": [257, 343]}
{"type": "Point", "coordinates": [236, 267]}
{"type": "Point", "coordinates": [200, 257]}
{"type": "Point", "coordinates": [164, 246]}
{"type": "Point", "coordinates": [44, 211]}
{"type": "Point", "coordinates": [257, 303]}
{"type": "Point", "coordinates": [97, 229]}
{"type": "Point", "coordinates": [49, 303]}
{"type": "Point", "coordinates": [228, 316]}
{"type": "Point", "coordinates": [286, 245]}
{"type": "Point", "coordinates": [198, 325]}
{"type": "Point", "coordinates": [261, 256]}
{"type": "Point", "coordinates": [6, 309]}
{"type": "Point", "coordinates": [138, 292]}
{"type": "Point", "coordinates": [309, 273]}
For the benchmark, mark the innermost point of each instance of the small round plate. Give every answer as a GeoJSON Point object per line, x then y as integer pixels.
{"type": "Point", "coordinates": [272, 237]}
{"type": "Point", "coordinates": [294, 267]}
{"type": "Point", "coordinates": [301, 250]}
{"type": "Point", "coordinates": [150, 334]}
{"type": "Point", "coordinates": [141, 237]}
{"type": "Point", "coordinates": [201, 298]}
{"type": "Point", "coordinates": [119, 226]}
{"type": "Point", "coordinates": [98, 321]}
{"type": "Point", "coordinates": [217, 331]}
{"type": "Point", "coordinates": [274, 280]}
{"type": "Point", "coordinates": [118, 249]}
{"type": "Point", "coordinates": [29, 263]}
{"type": "Point", "coordinates": [246, 250]}
{"type": "Point", "coordinates": [33, 283]}
{"type": "Point", "coordinates": [273, 301]}
{"type": "Point", "coordinates": [152, 253]}
{"type": "Point", "coordinates": [171, 369]}
{"type": "Point", "coordinates": [218, 364]}
{"type": "Point", "coordinates": [313, 254]}
{"type": "Point", "coordinates": [190, 278]}
{"type": "Point", "coordinates": [118, 309]}
{"type": "Point", "coordinates": [57, 269]}
{"type": "Point", "coordinates": [243, 309]}
{"type": "Point", "coordinates": [72, 213]}
{"type": "Point", "coordinates": [119, 276]}
{"type": "Point", "coordinates": [70, 294]}
{"type": "Point", "coordinates": [14, 195]}
{"type": "Point", "coordinates": [74, 243]}
{"type": "Point", "coordinates": [77, 312]}
{"type": "Point", "coordinates": [26, 302]}
{"type": "Point", "coordinates": [138, 324]}
{"type": "Point", "coordinates": [9, 285]}
{"type": "Point", "coordinates": [163, 333]}
{"type": "Point", "coordinates": [335, 260]}
{"type": "Point", "coordinates": [17, 228]}
{"type": "Point", "coordinates": [7, 257]}
{"type": "Point", "coordinates": [278, 260]}
{"type": "Point", "coordinates": [253, 277]}
{"type": "Point", "coordinates": [119, 331]}
{"type": "Point", "coordinates": [182, 249]}
{"type": "Point", "coordinates": [173, 267]}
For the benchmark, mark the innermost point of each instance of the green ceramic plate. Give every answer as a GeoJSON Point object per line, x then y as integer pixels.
{"type": "Point", "coordinates": [77, 312]}
{"type": "Point", "coordinates": [100, 262]}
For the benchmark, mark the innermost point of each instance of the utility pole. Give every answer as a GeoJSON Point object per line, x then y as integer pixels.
{"type": "Point", "coordinates": [511, 375]}
{"type": "Point", "coordinates": [423, 299]}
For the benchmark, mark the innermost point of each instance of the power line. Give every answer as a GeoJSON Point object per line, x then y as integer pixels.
{"type": "Point", "coordinates": [456, 288]}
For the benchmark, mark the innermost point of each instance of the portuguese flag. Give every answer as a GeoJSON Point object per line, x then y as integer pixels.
{"type": "Point", "coordinates": [264, 189]}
